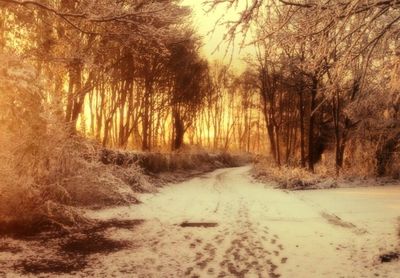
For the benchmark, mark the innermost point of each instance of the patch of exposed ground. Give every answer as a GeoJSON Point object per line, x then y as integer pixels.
{"type": "Point", "coordinates": [337, 221]}
{"type": "Point", "coordinates": [198, 224]}
{"type": "Point", "coordinates": [56, 265]}
{"type": "Point", "coordinates": [62, 253]}
{"type": "Point", "coordinates": [33, 231]}
{"type": "Point", "coordinates": [393, 255]}
{"type": "Point", "coordinates": [389, 257]}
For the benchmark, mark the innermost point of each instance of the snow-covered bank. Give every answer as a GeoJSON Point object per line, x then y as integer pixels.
{"type": "Point", "coordinates": [236, 227]}
{"type": "Point", "coordinates": [296, 178]}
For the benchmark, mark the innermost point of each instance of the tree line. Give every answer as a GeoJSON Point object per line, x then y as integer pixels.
{"type": "Point", "coordinates": [328, 74]}
{"type": "Point", "coordinates": [128, 73]}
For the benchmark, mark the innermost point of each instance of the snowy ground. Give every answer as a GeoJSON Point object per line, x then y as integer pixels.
{"type": "Point", "coordinates": [223, 224]}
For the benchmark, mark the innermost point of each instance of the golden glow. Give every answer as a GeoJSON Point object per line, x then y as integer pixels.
{"type": "Point", "coordinates": [215, 48]}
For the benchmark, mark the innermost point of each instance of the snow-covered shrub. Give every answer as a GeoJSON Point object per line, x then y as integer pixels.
{"type": "Point", "coordinates": [45, 171]}
{"type": "Point", "coordinates": [133, 176]}
{"type": "Point", "coordinates": [359, 159]}
{"type": "Point", "coordinates": [32, 146]}
{"type": "Point", "coordinates": [153, 163]}
{"type": "Point", "coordinates": [286, 177]}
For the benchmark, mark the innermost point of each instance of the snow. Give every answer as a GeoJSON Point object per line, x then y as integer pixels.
{"type": "Point", "coordinates": [330, 233]}
{"type": "Point", "coordinates": [260, 232]}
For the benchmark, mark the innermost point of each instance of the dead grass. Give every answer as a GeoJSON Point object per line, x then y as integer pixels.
{"type": "Point", "coordinates": [153, 163]}
{"type": "Point", "coordinates": [157, 169]}
{"type": "Point", "coordinates": [324, 177]}
{"type": "Point", "coordinates": [292, 178]}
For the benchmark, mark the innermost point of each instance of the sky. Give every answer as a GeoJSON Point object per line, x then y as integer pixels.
{"type": "Point", "coordinates": [204, 23]}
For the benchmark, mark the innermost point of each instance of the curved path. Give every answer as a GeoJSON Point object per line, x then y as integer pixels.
{"type": "Point", "coordinates": [223, 224]}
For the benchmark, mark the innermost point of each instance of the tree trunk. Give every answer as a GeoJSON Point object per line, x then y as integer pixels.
{"type": "Point", "coordinates": [302, 143]}
{"type": "Point", "coordinates": [179, 131]}
{"type": "Point", "coordinates": [146, 117]}
{"type": "Point", "coordinates": [384, 154]}
{"type": "Point", "coordinates": [311, 150]}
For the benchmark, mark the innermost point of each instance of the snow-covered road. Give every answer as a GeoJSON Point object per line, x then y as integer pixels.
{"type": "Point", "coordinates": [235, 227]}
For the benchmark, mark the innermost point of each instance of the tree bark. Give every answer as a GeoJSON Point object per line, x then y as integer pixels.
{"type": "Point", "coordinates": [311, 151]}
{"type": "Point", "coordinates": [179, 131]}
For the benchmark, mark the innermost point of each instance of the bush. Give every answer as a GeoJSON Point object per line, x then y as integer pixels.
{"type": "Point", "coordinates": [45, 171]}
{"type": "Point", "coordinates": [293, 178]}
{"type": "Point", "coordinates": [153, 163]}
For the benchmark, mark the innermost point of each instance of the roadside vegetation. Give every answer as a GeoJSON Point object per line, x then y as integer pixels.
{"type": "Point", "coordinates": [328, 77]}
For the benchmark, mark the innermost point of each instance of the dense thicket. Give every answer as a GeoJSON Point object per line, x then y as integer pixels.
{"type": "Point", "coordinates": [127, 73]}
{"type": "Point", "coordinates": [328, 74]}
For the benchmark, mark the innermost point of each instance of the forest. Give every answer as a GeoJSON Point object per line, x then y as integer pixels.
{"type": "Point", "coordinates": [102, 100]}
